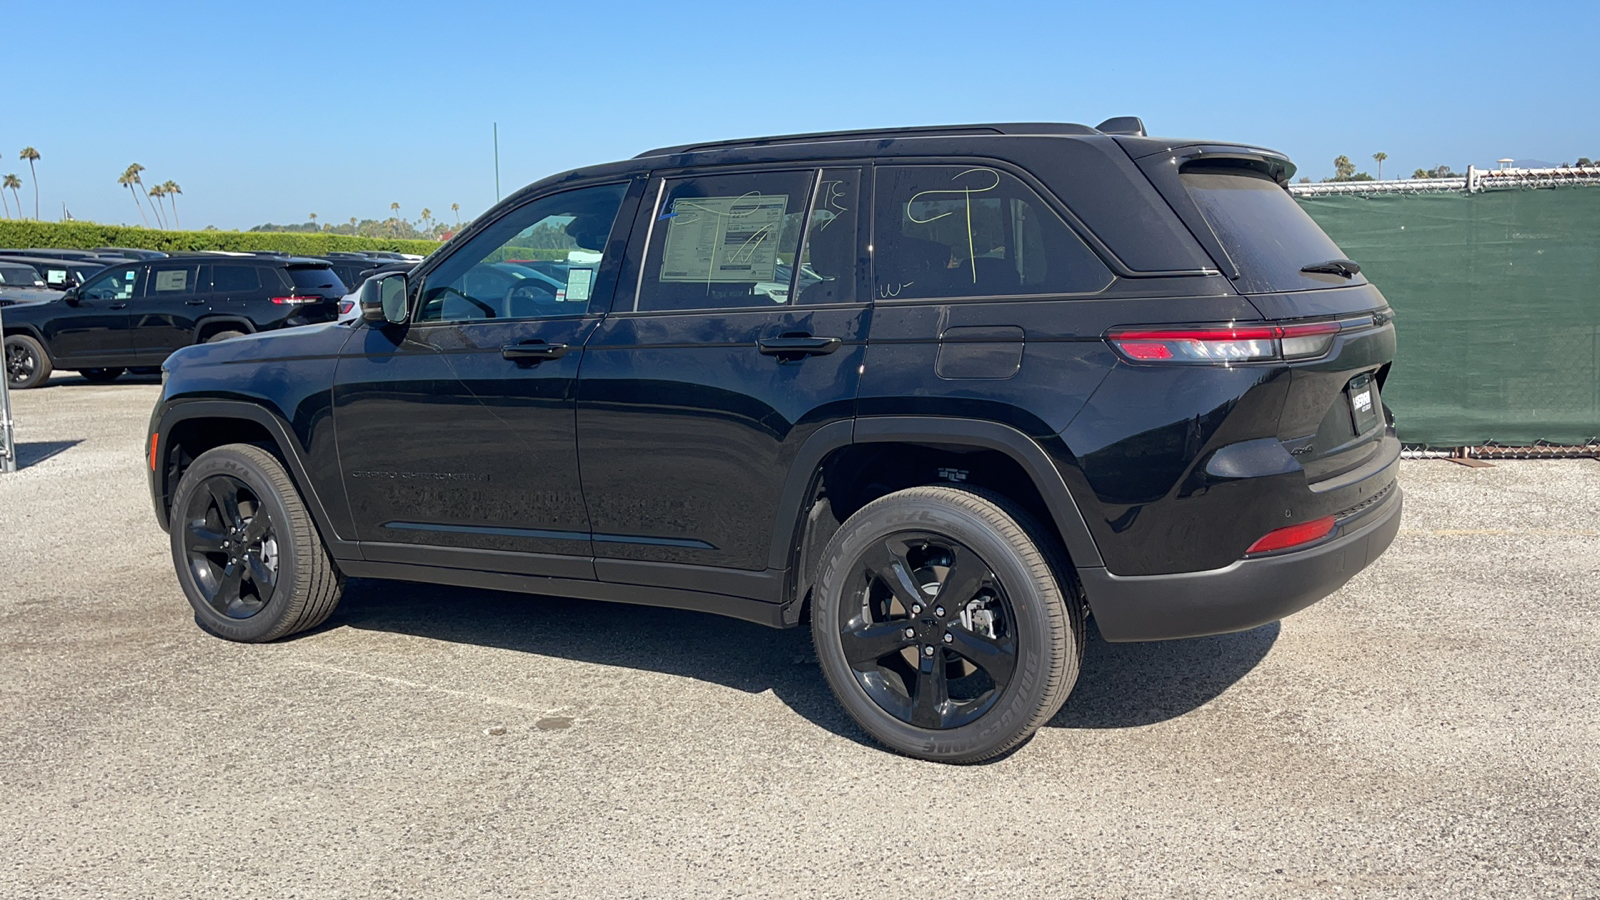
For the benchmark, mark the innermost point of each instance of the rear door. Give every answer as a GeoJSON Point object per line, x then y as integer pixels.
{"type": "Point", "coordinates": [165, 312]}
{"type": "Point", "coordinates": [728, 346]}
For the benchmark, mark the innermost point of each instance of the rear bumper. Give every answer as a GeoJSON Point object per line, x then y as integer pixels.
{"type": "Point", "coordinates": [1248, 593]}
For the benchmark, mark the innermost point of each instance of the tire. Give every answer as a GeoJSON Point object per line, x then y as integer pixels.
{"type": "Point", "coordinates": [101, 376]}
{"type": "Point", "coordinates": [983, 682]}
{"type": "Point", "coordinates": [27, 365]}
{"type": "Point", "coordinates": [222, 336]}
{"type": "Point", "coordinates": [283, 583]}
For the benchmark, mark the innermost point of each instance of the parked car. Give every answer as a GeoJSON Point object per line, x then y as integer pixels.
{"type": "Point", "coordinates": [130, 253]}
{"type": "Point", "coordinates": [1042, 371]}
{"type": "Point", "coordinates": [52, 252]}
{"type": "Point", "coordinates": [348, 306]}
{"type": "Point", "coordinates": [20, 283]}
{"type": "Point", "coordinates": [135, 314]}
{"type": "Point", "coordinates": [58, 274]}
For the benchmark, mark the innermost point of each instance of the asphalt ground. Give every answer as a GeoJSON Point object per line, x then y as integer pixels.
{"type": "Point", "coordinates": [1431, 730]}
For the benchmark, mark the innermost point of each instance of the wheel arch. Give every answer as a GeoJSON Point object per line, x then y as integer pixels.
{"type": "Point", "coordinates": [802, 527]}
{"type": "Point", "coordinates": [185, 430]}
{"type": "Point", "coordinates": [211, 324]}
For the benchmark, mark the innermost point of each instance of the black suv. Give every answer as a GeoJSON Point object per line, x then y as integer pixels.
{"type": "Point", "coordinates": [947, 391]}
{"type": "Point", "coordinates": [133, 315]}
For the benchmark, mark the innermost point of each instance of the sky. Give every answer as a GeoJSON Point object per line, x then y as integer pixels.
{"type": "Point", "coordinates": [272, 111]}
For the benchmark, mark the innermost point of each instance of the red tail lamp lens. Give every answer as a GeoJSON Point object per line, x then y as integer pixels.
{"type": "Point", "coordinates": [293, 301]}
{"type": "Point", "coordinates": [1294, 535]}
{"type": "Point", "coordinates": [1225, 345]}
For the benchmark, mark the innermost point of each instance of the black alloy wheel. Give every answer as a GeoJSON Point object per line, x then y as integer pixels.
{"type": "Point", "coordinates": [946, 630]}
{"type": "Point", "coordinates": [929, 632]}
{"type": "Point", "coordinates": [27, 365]}
{"type": "Point", "coordinates": [232, 547]}
{"type": "Point", "coordinates": [246, 549]}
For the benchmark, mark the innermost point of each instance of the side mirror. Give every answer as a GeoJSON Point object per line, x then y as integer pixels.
{"type": "Point", "coordinates": [70, 298]}
{"type": "Point", "coordinates": [383, 300]}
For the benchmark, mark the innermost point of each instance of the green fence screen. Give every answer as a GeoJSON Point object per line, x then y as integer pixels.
{"type": "Point", "coordinates": [1497, 307]}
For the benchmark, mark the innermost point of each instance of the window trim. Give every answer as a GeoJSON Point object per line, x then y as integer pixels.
{"type": "Point", "coordinates": [605, 271]}
{"type": "Point", "coordinates": [1046, 197]}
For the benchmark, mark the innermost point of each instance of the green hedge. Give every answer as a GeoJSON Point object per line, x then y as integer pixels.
{"type": "Point", "coordinates": [85, 235]}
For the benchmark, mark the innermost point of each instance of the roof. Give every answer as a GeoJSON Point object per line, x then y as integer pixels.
{"type": "Point", "coordinates": [1119, 125]}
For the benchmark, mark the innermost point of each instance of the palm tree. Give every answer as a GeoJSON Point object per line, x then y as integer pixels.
{"type": "Point", "coordinates": [31, 155]}
{"type": "Point", "coordinates": [171, 190]}
{"type": "Point", "coordinates": [7, 204]}
{"type": "Point", "coordinates": [136, 169]}
{"type": "Point", "coordinates": [156, 193]}
{"type": "Point", "coordinates": [456, 208]}
{"type": "Point", "coordinates": [13, 182]}
{"type": "Point", "coordinates": [129, 177]}
{"type": "Point", "coordinates": [427, 215]}
{"type": "Point", "coordinates": [313, 221]}
{"type": "Point", "coordinates": [1380, 156]}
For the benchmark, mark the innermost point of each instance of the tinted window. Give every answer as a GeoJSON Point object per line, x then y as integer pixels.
{"type": "Point", "coordinates": [229, 278]}
{"type": "Point", "coordinates": [170, 280]}
{"type": "Point", "coordinates": [724, 241]}
{"type": "Point", "coordinates": [1265, 232]}
{"type": "Point", "coordinates": [113, 284]}
{"type": "Point", "coordinates": [315, 279]}
{"type": "Point", "coordinates": [973, 231]}
{"type": "Point", "coordinates": [828, 258]}
{"type": "Point", "coordinates": [20, 276]}
{"type": "Point", "coordinates": [495, 276]}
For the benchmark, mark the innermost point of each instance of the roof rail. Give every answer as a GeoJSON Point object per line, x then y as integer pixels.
{"type": "Point", "coordinates": [877, 134]}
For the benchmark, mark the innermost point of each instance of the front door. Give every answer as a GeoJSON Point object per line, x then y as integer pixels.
{"type": "Point", "coordinates": [456, 430]}
{"type": "Point", "coordinates": [699, 390]}
{"type": "Point", "coordinates": [93, 331]}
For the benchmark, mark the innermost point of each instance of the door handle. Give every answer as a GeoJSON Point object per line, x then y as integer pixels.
{"type": "Point", "coordinates": [118, 306]}
{"type": "Point", "coordinates": [195, 302]}
{"type": "Point", "coordinates": [794, 346]}
{"type": "Point", "coordinates": [533, 351]}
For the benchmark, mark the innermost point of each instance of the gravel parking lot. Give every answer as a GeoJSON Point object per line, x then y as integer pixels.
{"type": "Point", "coordinates": [1431, 730]}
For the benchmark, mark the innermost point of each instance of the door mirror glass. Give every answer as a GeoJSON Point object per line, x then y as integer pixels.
{"type": "Point", "coordinates": [383, 300]}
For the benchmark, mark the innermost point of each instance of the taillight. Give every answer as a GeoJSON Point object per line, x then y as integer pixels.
{"type": "Point", "coordinates": [294, 301]}
{"type": "Point", "coordinates": [1253, 343]}
{"type": "Point", "coordinates": [1294, 535]}
{"type": "Point", "coordinates": [345, 306]}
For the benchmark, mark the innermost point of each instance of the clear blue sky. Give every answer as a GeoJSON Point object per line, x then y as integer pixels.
{"type": "Point", "coordinates": [267, 112]}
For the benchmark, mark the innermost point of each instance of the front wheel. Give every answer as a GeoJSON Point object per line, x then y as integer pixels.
{"type": "Point", "coordinates": [942, 627]}
{"type": "Point", "coordinates": [27, 365]}
{"type": "Point", "coordinates": [247, 552]}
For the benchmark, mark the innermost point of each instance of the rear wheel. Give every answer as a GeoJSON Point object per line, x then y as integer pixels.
{"type": "Point", "coordinates": [222, 336]}
{"type": "Point", "coordinates": [101, 376]}
{"type": "Point", "coordinates": [247, 552]}
{"type": "Point", "coordinates": [27, 365]}
{"type": "Point", "coordinates": [942, 628]}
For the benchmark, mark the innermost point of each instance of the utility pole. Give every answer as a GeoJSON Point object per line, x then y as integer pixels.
{"type": "Point", "coordinates": [497, 162]}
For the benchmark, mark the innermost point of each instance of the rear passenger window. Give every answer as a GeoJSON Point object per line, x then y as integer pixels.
{"type": "Point", "coordinates": [169, 281]}
{"type": "Point", "coordinates": [828, 258]}
{"type": "Point", "coordinates": [234, 278]}
{"type": "Point", "coordinates": [725, 241]}
{"type": "Point", "coordinates": [973, 231]}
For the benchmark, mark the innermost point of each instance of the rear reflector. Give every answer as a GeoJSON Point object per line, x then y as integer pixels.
{"type": "Point", "coordinates": [154, 436]}
{"type": "Point", "coordinates": [1294, 535]}
{"type": "Point", "coordinates": [1224, 345]}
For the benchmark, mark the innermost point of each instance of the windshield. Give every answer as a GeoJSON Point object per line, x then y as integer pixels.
{"type": "Point", "coordinates": [19, 276]}
{"type": "Point", "coordinates": [1267, 234]}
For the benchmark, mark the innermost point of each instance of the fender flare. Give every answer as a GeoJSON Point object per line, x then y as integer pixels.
{"type": "Point", "coordinates": [32, 331]}
{"type": "Point", "coordinates": [206, 321]}
{"type": "Point", "coordinates": [978, 433]}
{"type": "Point", "coordinates": [183, 411]}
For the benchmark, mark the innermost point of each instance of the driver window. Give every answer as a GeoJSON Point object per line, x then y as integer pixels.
{"type": "Point", "coordinates": [538, 261]}
{"type": "Point", "coordinates": [112, 284]}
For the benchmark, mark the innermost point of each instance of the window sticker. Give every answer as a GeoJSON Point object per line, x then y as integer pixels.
{"type": "Point", "coordinates": [55, 276]}
{"type": "Point", "coordinates": [723, 239]}
{"type": "Point", "coordinates": [130, 275]}
{"type": "Point", "coordinates": [172, 280]}
{"type": "Point", "coordinates": [579, 283]}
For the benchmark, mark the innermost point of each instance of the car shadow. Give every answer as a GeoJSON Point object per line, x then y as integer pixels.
{"type": "Point", "coordinates": [31, 453]}
{"type": "Point", "coordinates": [1121, 685]}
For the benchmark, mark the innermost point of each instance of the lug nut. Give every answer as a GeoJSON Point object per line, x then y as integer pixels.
{"type": "Point", "coordinates": [911, 632]}
{"type": "Point", "coordinates": [916, 609]}
{"type": "Point", "coordinates": [928, 650]}
{"type": "Point", "coordinates": [948, 637]}
{"type": "Point", "coordinates": [938, 611]}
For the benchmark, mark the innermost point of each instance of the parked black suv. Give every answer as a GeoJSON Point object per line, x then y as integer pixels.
{"type": "Point", "coordinates": [134, 315]}
{"type": "Point", "coordinates": [948, 390]}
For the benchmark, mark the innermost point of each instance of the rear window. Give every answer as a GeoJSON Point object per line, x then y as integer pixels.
{"type": "Point", "coordinates": [20, 276]}
{"type": "Point", "coordinates": [1266, 233]}
{"type": "Point", "coordinates": [320, 279]}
